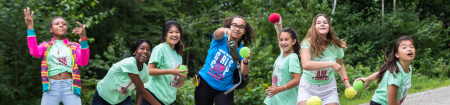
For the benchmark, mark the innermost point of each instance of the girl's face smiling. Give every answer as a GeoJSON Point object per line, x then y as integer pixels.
{"type": "Point", "coordinates": [173, 35]}
{"type": "Point", "coordinates": [322, 25]}
{"type": "Point", "coordinates": [286, 42]}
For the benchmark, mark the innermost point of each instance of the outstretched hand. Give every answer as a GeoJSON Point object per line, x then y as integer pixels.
{"type": "Point", "coordinates": [80, 30]}
{"type": "Point", "coordinates": [28, 18]}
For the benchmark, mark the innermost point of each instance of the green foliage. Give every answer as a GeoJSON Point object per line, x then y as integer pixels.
{"type": "Point", "coordinates": [116, 24]}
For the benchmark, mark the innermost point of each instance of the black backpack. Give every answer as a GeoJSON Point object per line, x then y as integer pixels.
{"type": "Point", "coordinates": [240, 81]}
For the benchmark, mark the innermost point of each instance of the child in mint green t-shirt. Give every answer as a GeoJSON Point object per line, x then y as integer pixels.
{"type": "Point", "coordinates": [322, 55]}
{"type": "Point", "coordinates": [286, 70]}
{"type": "Point", "coordinates": [394, 77]}
{"type": "Point", "coordinates": [163, 65]}
{"type": "Point", "coordinates": [124, 76]}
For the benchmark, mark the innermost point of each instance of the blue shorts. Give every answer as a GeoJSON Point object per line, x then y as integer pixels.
{"type": "Point", "coordinates": [60, 91]}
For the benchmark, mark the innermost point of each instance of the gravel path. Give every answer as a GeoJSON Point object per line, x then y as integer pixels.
{"type": "Point", "coordinates": [439, 96]}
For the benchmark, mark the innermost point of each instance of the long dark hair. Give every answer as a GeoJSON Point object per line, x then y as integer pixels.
{"type": "Point", "coordinates": [317, 40]}
{"type": "Point", "coordinates": [296, 46]}
{"type": "Point", "coordinates": [179, 46]}
{"type": "Point", "coordinates": [391, 63]}
{"type": "Point", "coordinates": [248, 36]}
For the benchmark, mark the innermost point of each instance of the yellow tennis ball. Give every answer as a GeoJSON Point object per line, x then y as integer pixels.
{"type": "Point", "coordinates": [314, 100]}
{"type": "Point", "coordinates": [350, 93]}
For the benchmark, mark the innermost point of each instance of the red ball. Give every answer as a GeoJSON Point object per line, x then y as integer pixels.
{"type": "Point", "coordinates": [274, 17]}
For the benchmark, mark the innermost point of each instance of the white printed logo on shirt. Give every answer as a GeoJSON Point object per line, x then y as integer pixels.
{"type": "Point", "coordinates": [124, 88]}
{"type": "Point", "coordinates": [322, 74]}
{"type": "Point", "coordinates": [406, 87]}
{"type": "Point", "coordinates": [220, 65]}
{"type": "Point", "coordinates": [276, 78]}
{"type": "Point", "coordinates": [173, 78]}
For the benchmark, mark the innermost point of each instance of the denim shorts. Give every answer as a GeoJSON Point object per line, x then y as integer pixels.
{"type": "Point", "coordinates": [60, 91]}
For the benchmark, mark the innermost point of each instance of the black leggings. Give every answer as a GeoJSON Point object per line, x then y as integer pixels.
{"type": "Point", "coordinates": [374, 103]}
{"type": "Point", "coordinates": [206, 95]}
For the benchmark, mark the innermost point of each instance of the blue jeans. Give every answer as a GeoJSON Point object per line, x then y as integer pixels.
{"type": "Point", "coordinates": [60, 91]}
{"type": "Point", "coordinates": [98, 100]}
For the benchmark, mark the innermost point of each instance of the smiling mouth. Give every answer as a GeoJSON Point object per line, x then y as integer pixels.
{"type": "Point", "coordinates": [410, 54]}
{"type": "Point", "coordinates": [143, 56]}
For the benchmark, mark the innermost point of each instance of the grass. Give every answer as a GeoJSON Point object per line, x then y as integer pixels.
{"type": "Point", "coordinates": [419, 84]}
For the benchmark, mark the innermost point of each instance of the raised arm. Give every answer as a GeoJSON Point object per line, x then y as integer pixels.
{"type": "Point", "coordinates": [35, 50]}
{"type": "Point", "coordinates": [83, 49]}
{"type": "Point", "coordinates": [278, 28]}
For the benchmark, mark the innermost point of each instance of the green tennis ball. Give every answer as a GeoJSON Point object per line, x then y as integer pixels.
{"type": "Point", "coordinates": [358, 85]}
{"type": "Point", "coordinates": [350, 93]}
{"type": "Point", "coordinates": [182, 67]}
{"type": "Point", "coordinates": [244, 52]}
{"type": "Point", "coordinates": [314, 100]}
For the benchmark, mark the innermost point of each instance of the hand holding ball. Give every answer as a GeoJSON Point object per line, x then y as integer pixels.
{"type": "Point", "coordinates": [274, 17]}
{"type": "Point", "coordinates": [181, 68]}
{"type": "Point", "coordinates": [350, 93]}
{"type": "Point", "coordinates": [314, 100]}
{"type": "Point", "coordinates": [358, 85]}
{"type": "Point", "coordinates": [244, 52]}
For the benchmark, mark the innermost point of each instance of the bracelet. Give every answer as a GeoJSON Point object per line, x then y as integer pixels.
{"type": "Point", "coordinates": [344, 79]}
{"type": "Point", "coordinates": [84, 39]}
{"type": "Point", "coordinates": [245, 63]}
{"type": "Point", "coordinates": [285, 87]}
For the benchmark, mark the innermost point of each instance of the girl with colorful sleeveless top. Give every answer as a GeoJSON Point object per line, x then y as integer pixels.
{"type": "Point", "coordinates": [60, 59]}
{"type": "Point", "coordinates": [216, 76]}
{"type": "Point", "coordinates": [321, 55]}
{"type": "Point", "coordinates": [163, 65]}
{"type": "Point", "coordinates": [394, 76]}
{"type": "Point", "coordinates": [124, 76]}
{"type": "Point", "coordinates": [286, 69]}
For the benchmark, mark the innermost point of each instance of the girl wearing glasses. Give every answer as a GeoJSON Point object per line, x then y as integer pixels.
{"type": "Point", "coordinates": [321, 55]}
{"type": "Point", "coordinates": [216, 76]}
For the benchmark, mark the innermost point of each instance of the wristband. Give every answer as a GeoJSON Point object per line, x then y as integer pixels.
{"type": "Point", "coordinates": [245, 63]}
{"type": "Point", "coordinates": [285, 87]}
{"type": "Point", "coordinates": [30, 32]}
{"type": "Point", "coordinates": [344, 80]}
{"type": "Point", "coordinates": [84, 43]}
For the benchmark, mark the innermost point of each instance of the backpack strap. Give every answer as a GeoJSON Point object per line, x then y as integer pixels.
{"type": "Point", "coordinates": [236, 58]}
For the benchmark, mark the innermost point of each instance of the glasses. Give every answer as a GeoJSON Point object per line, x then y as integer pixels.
{"type": "Point", "coordinates": [234, 26]}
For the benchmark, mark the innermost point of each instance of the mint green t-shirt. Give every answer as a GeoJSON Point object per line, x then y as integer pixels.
{"type": "Point", "coordinates": [401, 79]}
{"type": "Point", "coordinates": [326, 75]}
{"type": "Point", "coordinates": [59, 59]}
{"type": "Point", "coordinates": [117, 85]}
{"type": "Point", "coordinates": [164, 86]}
{"type": "Point", "coordinates": [282, 69]}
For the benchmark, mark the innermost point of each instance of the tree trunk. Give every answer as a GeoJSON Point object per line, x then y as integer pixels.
{"type": "Point", "coordinates": [382, 12]}
{"type": "Point", "coordinates": [332, 12]}
{"type": "Point", "coordinates": [394, 5]}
